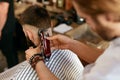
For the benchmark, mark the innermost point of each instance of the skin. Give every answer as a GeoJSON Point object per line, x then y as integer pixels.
{"type": "Point", "coordinates": [82, 50]}
{"type": "Point", "coordinates": [3, 15]}
{"type": "Point", "coordinates": [41, 69]}
{"type": "Point", "coordinates": [60, 42]}
{"type": "Point", "coordinates": [106, 24]}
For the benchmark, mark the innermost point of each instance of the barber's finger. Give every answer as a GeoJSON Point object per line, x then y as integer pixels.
{"type": "Point", "coordinates": [53, 37]}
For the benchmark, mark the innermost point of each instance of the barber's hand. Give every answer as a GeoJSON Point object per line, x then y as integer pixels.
{"type": "Point", "coordinates": [31, 51]}
{"type": "Point", "coordinates": [60, 41]}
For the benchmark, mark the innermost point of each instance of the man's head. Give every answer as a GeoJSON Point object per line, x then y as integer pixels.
{"type": "Point", "coordinates": [101, 15]}
{"type": "Point", "coordinates": [33, 19]}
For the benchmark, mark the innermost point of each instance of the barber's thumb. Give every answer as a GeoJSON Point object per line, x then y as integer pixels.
{"type": "Point", "coordinates": [52, 37]}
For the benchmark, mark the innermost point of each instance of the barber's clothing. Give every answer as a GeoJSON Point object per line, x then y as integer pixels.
{"type": "Point", "coordinates": [10, 22]}
{"type": "Point", "coordinates": [107, 66]}
{"type": "Point", "coordinates": [63, 63]}
{"type": "Point", "coordinates": [7, 44]}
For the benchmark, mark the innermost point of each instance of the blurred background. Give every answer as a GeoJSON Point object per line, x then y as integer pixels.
{"type": "Point", "coordinates": [64, 21]}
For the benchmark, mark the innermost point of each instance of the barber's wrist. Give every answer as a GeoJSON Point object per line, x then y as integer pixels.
{"type": "Point", "coordinates": [35, 59]}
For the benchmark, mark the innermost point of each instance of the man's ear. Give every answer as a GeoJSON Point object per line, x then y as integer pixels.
{"type": "Point", "coordinates": [108, 20]}
{"type": "Point", "coordinates": [105, 19]}
{"type": "Point", "coordinates": [30, 35]}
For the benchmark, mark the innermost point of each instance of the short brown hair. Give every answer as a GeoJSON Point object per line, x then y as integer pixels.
{"type": "Point", "coordinates": [36, 16]}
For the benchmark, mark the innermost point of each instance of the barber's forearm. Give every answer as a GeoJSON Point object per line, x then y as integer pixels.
{"type": "Point", "coordinates": [2, 21]}
{"type": "Point", "coordinates": [44, 73]}
{"type": "Point", "coordinates": [87, 53]}
{"type": "Point", "coordinates": [3, 13]}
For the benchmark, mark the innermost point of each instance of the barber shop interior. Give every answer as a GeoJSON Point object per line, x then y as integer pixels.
{"type": "Point", "coordinates": [30, 24]}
